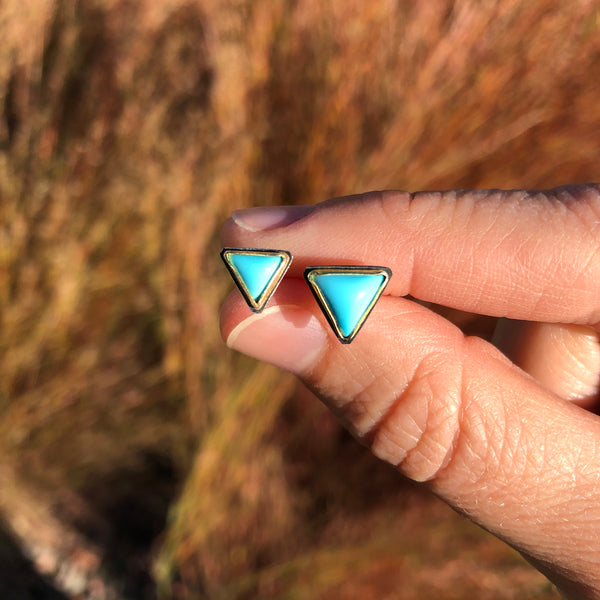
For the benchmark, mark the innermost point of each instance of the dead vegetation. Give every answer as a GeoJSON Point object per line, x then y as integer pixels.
{"type": "Point", "coordinates": [129, 129]}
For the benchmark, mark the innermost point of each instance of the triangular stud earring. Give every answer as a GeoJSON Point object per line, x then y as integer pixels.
{"type": "Point", "coordinates": [347, 295]}
{"type": "Point", "coordinates": [256, 272]}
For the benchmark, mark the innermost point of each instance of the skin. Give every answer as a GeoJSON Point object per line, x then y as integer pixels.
{"type": "Point", "coordinates": [504, 433]}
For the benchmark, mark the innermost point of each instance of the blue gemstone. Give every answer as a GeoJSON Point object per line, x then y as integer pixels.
{"type": "Point", "coordinates": [256, 271]}
{"type": "Point", "coordinates": [348, 296]}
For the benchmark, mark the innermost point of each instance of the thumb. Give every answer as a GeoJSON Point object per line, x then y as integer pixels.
{"type": "Point", "coordinates": [453, 412]}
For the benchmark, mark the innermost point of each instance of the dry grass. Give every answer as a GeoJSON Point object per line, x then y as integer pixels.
{"type": "Point", "coordinates": [129, 129]}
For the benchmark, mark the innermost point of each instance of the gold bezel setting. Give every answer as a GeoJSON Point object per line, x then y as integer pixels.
{"type": "Point", "coordinates": [310, 273]}
{"type": "Point", "coordinates": [258, 304]}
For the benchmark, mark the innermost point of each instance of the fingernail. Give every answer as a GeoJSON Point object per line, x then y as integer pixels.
{"type": "Point", "coordinates": [288, 337]}
{"type": "Point", "coordinates": [262, 218]}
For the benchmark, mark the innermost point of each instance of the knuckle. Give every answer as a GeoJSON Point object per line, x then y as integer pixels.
{"type": "Point", "coordinates": [489, 445]}
{"type": "Point", "coordinates": [419, 430]}
{"type": "Point", "coordinates": [393, 204]}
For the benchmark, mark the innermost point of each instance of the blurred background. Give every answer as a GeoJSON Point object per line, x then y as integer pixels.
{"type": "Point", "coordinates": [139, 458]}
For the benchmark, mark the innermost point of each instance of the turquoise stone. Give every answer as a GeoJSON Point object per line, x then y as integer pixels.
{"type": "Point", "coordinates": [255, 271]}
{"type": "Point", "coordinates": [348, 296]}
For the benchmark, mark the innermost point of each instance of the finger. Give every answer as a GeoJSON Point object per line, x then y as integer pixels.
{"type": "Point", "coordinates": [565, 359]}
{"type": "Point", "coordinates": [523, 255]}
{"type": "Point", "coordinates": [452, 411]}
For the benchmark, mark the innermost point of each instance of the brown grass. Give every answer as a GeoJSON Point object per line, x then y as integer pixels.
{"type": "Point", "coordinates": [129, 129]}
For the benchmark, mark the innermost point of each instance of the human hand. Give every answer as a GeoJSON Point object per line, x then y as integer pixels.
{"type": "Point", "coordinates": [513, 442]}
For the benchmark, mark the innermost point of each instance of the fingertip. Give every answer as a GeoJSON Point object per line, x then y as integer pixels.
{"type": "Point", "coordinates": [229, 233]}
{"type": "Point", "coordinates": [285, 334]}
{"type": "Point", "coordinates": [233, 311]}
{"type": "Point", "coordinates": [252, 222]}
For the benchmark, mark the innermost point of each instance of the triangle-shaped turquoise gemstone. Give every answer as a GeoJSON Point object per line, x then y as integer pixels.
{"type": "Point", "coordinates": [255, 271]}
{"type": "Point", "coordinates": [349, 296]}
